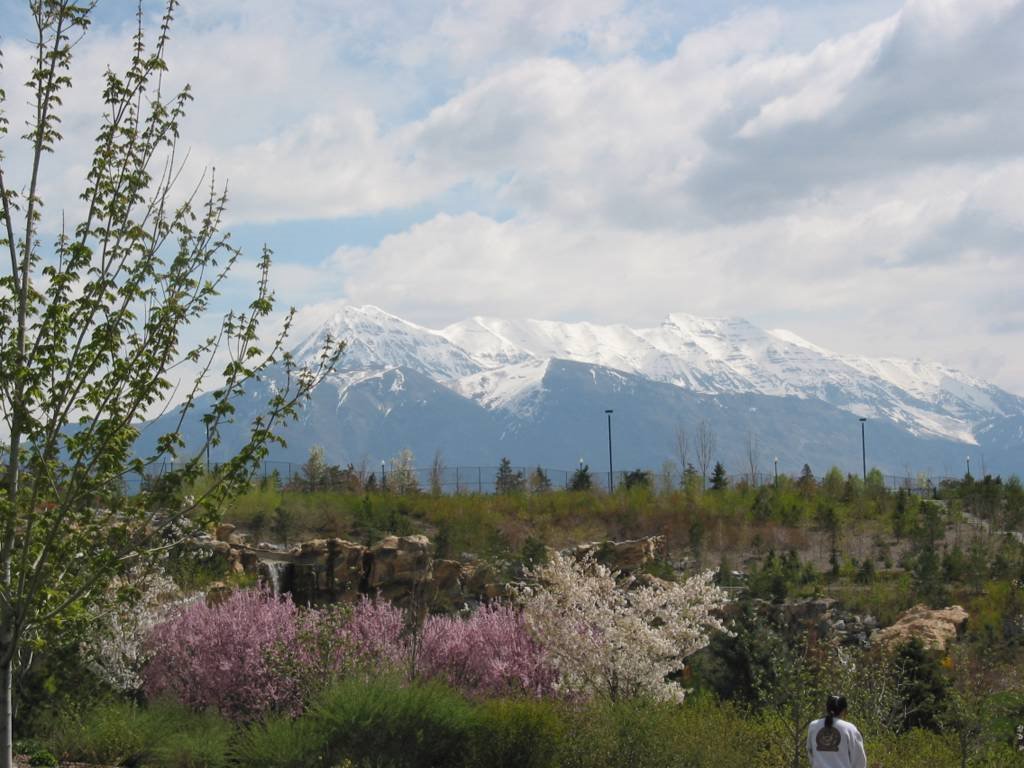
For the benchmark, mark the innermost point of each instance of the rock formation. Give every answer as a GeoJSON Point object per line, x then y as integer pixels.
{"type": "Point", "coordinates": [933, 627]}
{"type": "Point", "coordinates": [400, 569]}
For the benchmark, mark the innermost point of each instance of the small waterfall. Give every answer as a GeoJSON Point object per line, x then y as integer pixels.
{"type": "Point", "coordinates": [274, 570]}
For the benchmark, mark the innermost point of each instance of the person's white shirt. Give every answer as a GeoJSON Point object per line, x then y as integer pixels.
{"type": "Point", "coordinates": [840, 746]}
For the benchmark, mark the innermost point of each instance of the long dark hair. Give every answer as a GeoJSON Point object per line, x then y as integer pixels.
{"type": "Point", "coordinates": [834, 707]}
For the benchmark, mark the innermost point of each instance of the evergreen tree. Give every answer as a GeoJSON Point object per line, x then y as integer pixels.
{"type": "Point", "coordinates": [507, 480]}
{"type": "Point", "coordinates": [806, 484]}
{"type": "Point", "coordinates": [927, 568]}
{"type": "Point", "coordinates": [581, 479]}
{"type": "Point", "coordinates": [719, 480]}
{"type": "Point", "coordinates": [638, 478]}
{"type": "Point", "coordinates": [900, 514]}
{"type": "Point", "coordinates": [828, 519]}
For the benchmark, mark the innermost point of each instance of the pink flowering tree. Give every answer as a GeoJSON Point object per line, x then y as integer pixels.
{"type": "Point", "coordinates": [490, 653]}
{"type": "Point", "coordinates": [606, 635]}
{"type": "Point", "coordinates": [254, 654]}
{"type": "Point", "coordinates": [220, 656]}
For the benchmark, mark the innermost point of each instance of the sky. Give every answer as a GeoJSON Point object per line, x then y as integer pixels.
{"type": "Point", "coordinates": [850, 171]}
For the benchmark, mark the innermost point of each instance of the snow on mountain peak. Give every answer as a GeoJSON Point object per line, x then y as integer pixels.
{"type": "Point", "coordinates": [498, 362]}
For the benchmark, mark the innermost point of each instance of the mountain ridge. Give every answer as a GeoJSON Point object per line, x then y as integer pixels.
{"type": "Point", "coordinates": [495, 361]}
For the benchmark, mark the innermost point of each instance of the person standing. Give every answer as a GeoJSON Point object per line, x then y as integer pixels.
{"type": "Point", "coordinates": [832, 742]}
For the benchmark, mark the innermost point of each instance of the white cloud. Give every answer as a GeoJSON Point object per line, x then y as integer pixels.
{"type": "Point", "coordinates": [850, 171]}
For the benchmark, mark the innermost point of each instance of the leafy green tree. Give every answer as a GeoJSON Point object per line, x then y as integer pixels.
{"type": "Point", "coordinates": [283, 526]}
{"type": "Point", "coordinates": [314, 471]}
{"type": "Point", "coordinates": [581, 479]}
{"type": "Point", "coordinates": [508, 480]}
{"type": "Point", "coordinates": [719, 480]}
{"type": "Point", "coordinates": [900, 514]}
{"type": "Point", "coordinates": [91, 332]}
{"type": "Point", "coordinates": [539, 481]}
{"type": "Point", "coordinates": [833, 484]}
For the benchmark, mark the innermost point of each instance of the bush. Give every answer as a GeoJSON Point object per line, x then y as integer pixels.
{"type": "Point", "coordinates": [515, 733]}
{"type": "Point", "coordinates": [43, 758]}
{"type": "Point", "coordinates": [609, 734]}
{"type": "Point", "coordinates": [200, 741]}
{"type": "Point", "coordinates": [384, 722]}
{"type": "Point", "coordinates": [163, 736]}
{"type": "Point", "coordinates": [280, 742]}
{"type": "Point", "coordinates": [112, 733]}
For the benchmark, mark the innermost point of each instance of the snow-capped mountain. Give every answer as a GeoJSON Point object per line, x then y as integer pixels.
{"type": "Point", "coordinates": [498, 362]}
{"type": "Point", "coordinates": [536, 391]}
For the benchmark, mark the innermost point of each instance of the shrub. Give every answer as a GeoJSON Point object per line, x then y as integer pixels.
{"type": "Point", "coordinates": [219, 656]}
{"type": "Point", "coordinates": [43, 758]}
{"type": "Point", "coordinates": [163, 735]}
{"type": "Point", "coordinates": [515, 733]}
{"type": "Point", "coordinates": [198, 742]}
{"type": "Point", "coordinates": [112, 733]}
{"type": "Point", "coordinates": [280, 742]}
{"type": "Point", "coordinates": [384, 722]}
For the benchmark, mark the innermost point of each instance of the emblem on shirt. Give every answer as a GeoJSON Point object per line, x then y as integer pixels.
{"type": "Point", "coordinates": [828, 739]}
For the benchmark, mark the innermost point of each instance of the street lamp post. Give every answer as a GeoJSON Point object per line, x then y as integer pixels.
{"type": "Point", "coordinates": [968, 466]}
{"type": "Point", "coordinates": [863, 449]}
{"type": "Point", "coordinates": [776, 471]}
{"type": "Point", "coordinates": [611, 475]}
{"type": "Point", "coordinates": [382, 474]}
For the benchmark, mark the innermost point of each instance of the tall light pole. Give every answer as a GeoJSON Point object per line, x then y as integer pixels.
{"type": "Point", "coordinates": [776, 471]}
{"type": "Point", "coordinates": [611, 476]}
{"type": "Point", "coordinates": [382, 474]}
{"type": "Point", "coordinates": [968, 465]}
{"type": "Point", "coordinates": [863, 449]}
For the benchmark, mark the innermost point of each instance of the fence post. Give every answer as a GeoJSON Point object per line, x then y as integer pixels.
{"type": "Point", "coordinates": [457, 488]}
{"type": "Point", "coordinates": [479, 480]}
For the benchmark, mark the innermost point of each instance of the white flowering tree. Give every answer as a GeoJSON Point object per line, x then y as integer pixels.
{"type": "Point", "coordinates": [610, 636]}
{"type": "Point", "coordinates": [115, 648]}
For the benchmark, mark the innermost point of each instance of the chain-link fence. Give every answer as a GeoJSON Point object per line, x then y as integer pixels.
{"type": "Point", "coordinates": [490, 479]}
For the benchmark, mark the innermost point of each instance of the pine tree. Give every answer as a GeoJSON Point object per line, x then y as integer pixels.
{"type": "Point", "coordinates": [581, 479]}
{"type": "Point", "coordinates": [806, 484]}
{"type": "Point", "coordinates": [719, 480]}
{"type": "Point", "coordinates": [507, 480]}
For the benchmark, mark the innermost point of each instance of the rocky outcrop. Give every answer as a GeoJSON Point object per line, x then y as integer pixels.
{"type": "Point", "coordinates": [398, 565]}
{"type": "Point", "coordinates": [400, 569]}
{"type": "Point", "coordinates": [936, 628]}
{"type": "Point", "coordinates": [625, 556]}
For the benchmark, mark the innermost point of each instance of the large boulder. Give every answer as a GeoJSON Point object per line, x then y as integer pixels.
{"type": "Point", "coordinates": [935, 627]}
{"type": "Point", "coordinates": [628, 556]}
{"type": "Point", "coordinates": [346, 564]}
{"type": "Point", "coordinates": [446, 585]}
{"type": "Point", "coordinates": [398, 564]}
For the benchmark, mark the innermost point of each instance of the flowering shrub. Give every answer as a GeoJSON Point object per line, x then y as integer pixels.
{"type": "Point", "coordinates": [605, 635]}
{"type": "Point", "coordinates": [220, 656]}
{"type": "Point", "coordinates": [130, 607]}
{"type": "Point", "coordinates": [491, 653]}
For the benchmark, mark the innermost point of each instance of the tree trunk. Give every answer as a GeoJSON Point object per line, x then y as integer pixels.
{"type": "Point", "coordinates": [6, 718]}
